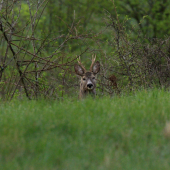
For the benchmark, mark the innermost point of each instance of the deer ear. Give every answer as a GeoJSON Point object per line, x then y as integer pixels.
{"type": "Point", "coordinates": [79, 70]}
{"type": "Point", "coordinates": [96, 67]}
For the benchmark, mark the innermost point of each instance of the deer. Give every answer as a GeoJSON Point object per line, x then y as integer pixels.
{"type": "Point", "coordinates": [87, 78]}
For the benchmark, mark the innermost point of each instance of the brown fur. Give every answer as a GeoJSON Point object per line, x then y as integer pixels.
{"type": "Point", "coordinates": [88, 78]}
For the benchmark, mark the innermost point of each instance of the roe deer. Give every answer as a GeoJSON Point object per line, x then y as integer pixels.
{"type": "Point", "coordinates": [88, 78]}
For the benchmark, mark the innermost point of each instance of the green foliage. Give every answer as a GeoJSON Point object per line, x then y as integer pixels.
{"type": "Point", "coordinates": [51, 34]}
{"type": "Point", "coordinates": [106, 133]}
{"type": "Point", "coordinates": [155, 25]}
{"type": "Point", "coordinates": [61, 14]}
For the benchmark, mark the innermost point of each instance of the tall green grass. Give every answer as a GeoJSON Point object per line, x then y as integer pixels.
{"type": "Point", "coordinates": [102, 134]}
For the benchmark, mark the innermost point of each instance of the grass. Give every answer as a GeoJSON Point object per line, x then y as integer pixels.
{"type": "Point", "coordinates": [106, 133]}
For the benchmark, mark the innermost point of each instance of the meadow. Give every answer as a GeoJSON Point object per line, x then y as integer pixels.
{"type": "Point", "coordinates": [121, 133]}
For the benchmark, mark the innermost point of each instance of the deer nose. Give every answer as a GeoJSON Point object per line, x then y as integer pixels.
{"type": "Point", "coordinates": [89, 85]}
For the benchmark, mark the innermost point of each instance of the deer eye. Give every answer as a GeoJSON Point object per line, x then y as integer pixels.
{"type": "Point", "coordinates": [84, 78]}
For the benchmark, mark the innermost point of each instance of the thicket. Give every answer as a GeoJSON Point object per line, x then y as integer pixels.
{"type": "Point", "coordinates": [41, 40]}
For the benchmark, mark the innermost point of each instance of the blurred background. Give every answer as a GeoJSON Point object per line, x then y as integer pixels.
{"type": "Point", "coordinates": [40, 41]}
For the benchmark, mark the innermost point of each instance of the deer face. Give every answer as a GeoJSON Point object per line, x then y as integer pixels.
{"type": "Point", "coordinates": [88, 81]}
{"type": "Point", "coordinates": [88, 78]}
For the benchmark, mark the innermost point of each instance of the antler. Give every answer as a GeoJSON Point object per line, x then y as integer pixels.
{"type": "Point", "coordinates": [93, 60]}
{"type": "Point", "coordinates": [79, 62]}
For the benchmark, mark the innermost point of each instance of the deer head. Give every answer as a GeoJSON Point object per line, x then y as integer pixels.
{"type": "Point", "coordinates": [88, 78]}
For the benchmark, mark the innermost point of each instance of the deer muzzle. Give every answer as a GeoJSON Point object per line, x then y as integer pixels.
{"type": "Point", "coordinates": [90, 85]}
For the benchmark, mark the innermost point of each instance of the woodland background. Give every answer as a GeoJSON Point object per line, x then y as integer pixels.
{"type": "Point", "coordinates": [40, 41]}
